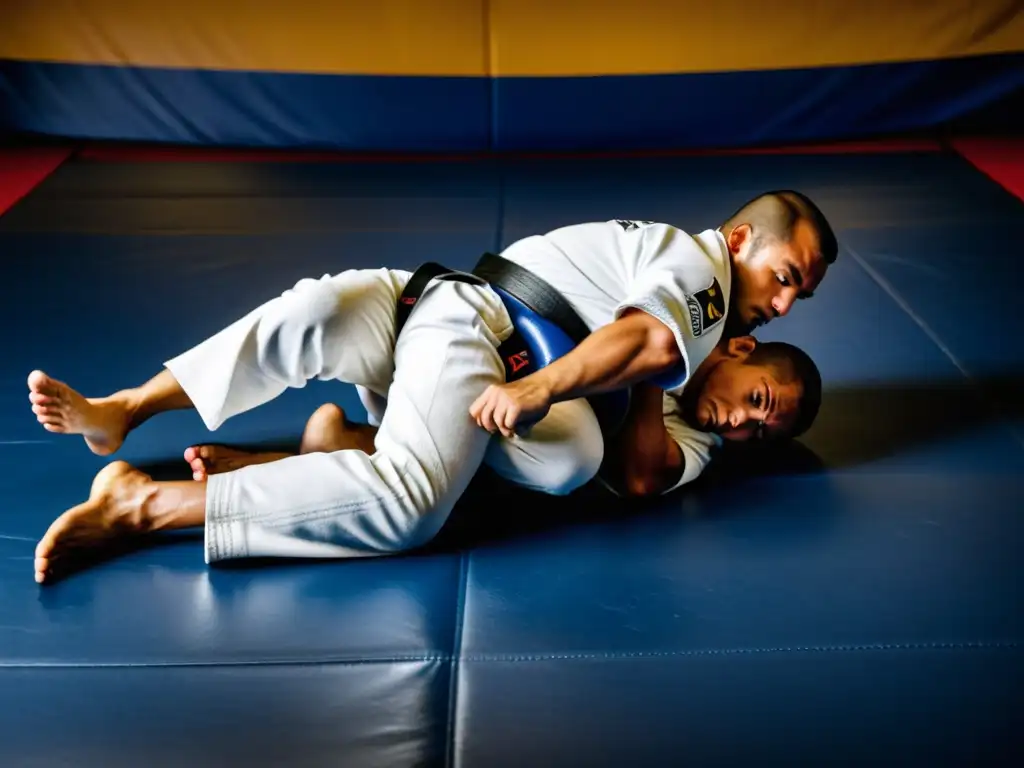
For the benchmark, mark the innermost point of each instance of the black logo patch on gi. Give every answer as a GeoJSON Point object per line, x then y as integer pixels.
{"type": "Point", "coordinates": [628, 224]}
{"type": "Point", "coordinates": [706, 307]}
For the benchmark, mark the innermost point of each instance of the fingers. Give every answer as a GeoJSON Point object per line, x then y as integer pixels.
{"type": "Point", "coordinates": [495, 411]}
{"type": "Point", "coordinates": [476, 409]}
{"type": "Point", "coordinates": [503, 417]}
{"type": "Point", "coordinates": [509, 420]}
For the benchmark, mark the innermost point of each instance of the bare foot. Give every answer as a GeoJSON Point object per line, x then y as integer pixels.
{"type": "Point", "coordinates": [116, 509]}
{"type": "Point", "coordinates": [212, 459]}
{"type": "Point", "coordinates": [103, 422]}
{"type": "Point", "coordinates": [326, 431]}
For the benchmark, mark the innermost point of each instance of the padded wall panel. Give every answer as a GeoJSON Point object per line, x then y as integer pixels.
{"type": "Point", "coordinates": [387, 37]}
{"type": "Point", "coordinates": [215, 107]}
{"type": "Point", "coordinates": [741, 108]}
{"type": "Point", "coordinates": [470, 75]}
{"type": "Point", "coordinates": [535, 38]}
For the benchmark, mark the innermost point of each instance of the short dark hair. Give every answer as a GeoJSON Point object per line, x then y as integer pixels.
{"type": "Point", "coordinates": [774, 215]}
{"type": "Point", "coordinates": [789, 364]}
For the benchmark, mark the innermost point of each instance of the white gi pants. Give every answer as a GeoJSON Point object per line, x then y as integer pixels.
{"type": "Point", "coordinates": [428, 447]}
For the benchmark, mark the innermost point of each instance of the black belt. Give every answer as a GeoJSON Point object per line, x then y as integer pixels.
{"type": "Point", "coordinates": [533, 291]}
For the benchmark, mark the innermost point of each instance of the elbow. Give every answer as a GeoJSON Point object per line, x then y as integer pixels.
{"type": "Point", "coordinates": [662, 350]}
{"type": "Point", "coordinates": [650, 475]}
{"type": "Point", "coordinates": [640, 485]}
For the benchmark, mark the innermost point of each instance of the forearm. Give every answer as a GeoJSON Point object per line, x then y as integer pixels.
{"type": "Point", "coordinates": [617, 356]}
{"type": "Point", "coordinates": [644, 459]}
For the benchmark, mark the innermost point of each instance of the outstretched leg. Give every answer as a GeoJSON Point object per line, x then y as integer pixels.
{"type": "Point", "coordinates": [105, 421]}
{"type": "Point", "coordinates": [327, 430]}
{"type": "Point", "coordinates": [125, 502]}
{"type": "Point", "coordinates": [338, 327]}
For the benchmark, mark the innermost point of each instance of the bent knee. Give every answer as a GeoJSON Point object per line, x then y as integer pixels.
{"type": "Point", "coordinates": [419, 504]}
{"type": "Point", "coordinates": [414, 527]}
{"type": "Point", "coordinates": [310, 303]}
{"type": "Point", "coordinates": [576, 463]}
{"type": "Point", "coordinates": [567, 477]}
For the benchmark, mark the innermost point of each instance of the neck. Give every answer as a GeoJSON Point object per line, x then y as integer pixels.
{"type": "Point", "coordinates": [715, 356]}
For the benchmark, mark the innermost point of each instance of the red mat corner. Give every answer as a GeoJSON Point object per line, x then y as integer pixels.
{"type": "Point", "coordinates": [1001, 159]}
{"type": "Point", "coordinates": [22, 169]}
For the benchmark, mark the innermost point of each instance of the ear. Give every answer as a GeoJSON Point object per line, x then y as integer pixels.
{"type": "Point", "coordinates": [738, 237]}
{"type": "Point", "coordinates": [741, 346]}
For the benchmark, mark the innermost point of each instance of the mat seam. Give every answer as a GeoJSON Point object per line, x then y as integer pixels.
{"type": "Point", "coordinates": [541, 657]}
{"type": "Point", "coordinates": [450, 757]}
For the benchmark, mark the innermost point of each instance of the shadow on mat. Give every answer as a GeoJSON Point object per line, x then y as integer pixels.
{"type": "Point", "coordinates": [862, 424]}
{"type": "Point", "coordinates": [857, 426]}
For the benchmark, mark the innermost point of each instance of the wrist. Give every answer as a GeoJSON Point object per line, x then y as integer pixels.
{"type": "Point", "coordinates": [554, 382]}
{"type": "Point", "coordinates": [545, 384]}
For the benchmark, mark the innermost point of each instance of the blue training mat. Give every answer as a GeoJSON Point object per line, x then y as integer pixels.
{"type": "Point", "coordinates": [853, 601]}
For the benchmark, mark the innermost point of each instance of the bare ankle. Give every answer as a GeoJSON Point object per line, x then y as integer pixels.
{"type": "Point", "coordinates": [131, 403]}
{"type": "Point", "coordinates": [169, 506]}
{"type": "Point", "coordinates": [148, 508]}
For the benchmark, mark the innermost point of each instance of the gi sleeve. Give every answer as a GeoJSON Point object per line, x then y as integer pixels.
{"type": "Point", "coordinates": [698, 447]}
{"type": "Point", "coordinates": [676, 281]}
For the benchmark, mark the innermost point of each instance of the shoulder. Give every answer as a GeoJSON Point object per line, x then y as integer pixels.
{"type": "Point", "coordinates": [703, 255]}
{"type": "Point", "coordinates": [698, 447]}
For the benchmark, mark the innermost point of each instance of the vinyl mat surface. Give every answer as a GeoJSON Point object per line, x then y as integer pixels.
{"type": "Point", "coordinates": [854, 601]}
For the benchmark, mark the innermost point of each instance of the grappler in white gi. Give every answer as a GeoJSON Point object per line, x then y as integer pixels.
{"type": "Point", "coordinates": [651, 294]}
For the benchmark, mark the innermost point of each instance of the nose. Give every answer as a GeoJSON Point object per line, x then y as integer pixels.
{"type": "Point", "coordinates": [737, 418]}
{"type": "Point", "coordinates": [782, 303]}
{"type": "Point", "coordinates": [745, 420]}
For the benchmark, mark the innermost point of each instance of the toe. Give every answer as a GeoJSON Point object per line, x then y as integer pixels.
{"type": "Point", "coordinates": [43, 384]}
{"type": "Point", "coordinates": [44, 548]}
{"type": "Point", "coordinates": [47, 546]}
{"type": "Point", "coordinates": [191, 454]}
{"type": "Point", "coordinates": [37, 379]}
{"type": "Point", "coordinates": [39, 398]}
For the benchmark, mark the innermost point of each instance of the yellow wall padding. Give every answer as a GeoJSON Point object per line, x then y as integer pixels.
{"type": "Point", "coordinates": [506, 37]}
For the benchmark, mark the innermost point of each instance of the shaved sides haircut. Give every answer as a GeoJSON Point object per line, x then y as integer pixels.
{"type": "Point", "coordinates": [773, 216]}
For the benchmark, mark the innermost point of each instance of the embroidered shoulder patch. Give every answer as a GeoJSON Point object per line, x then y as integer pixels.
{"type": "Point", "coordinates": [706, 307]}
